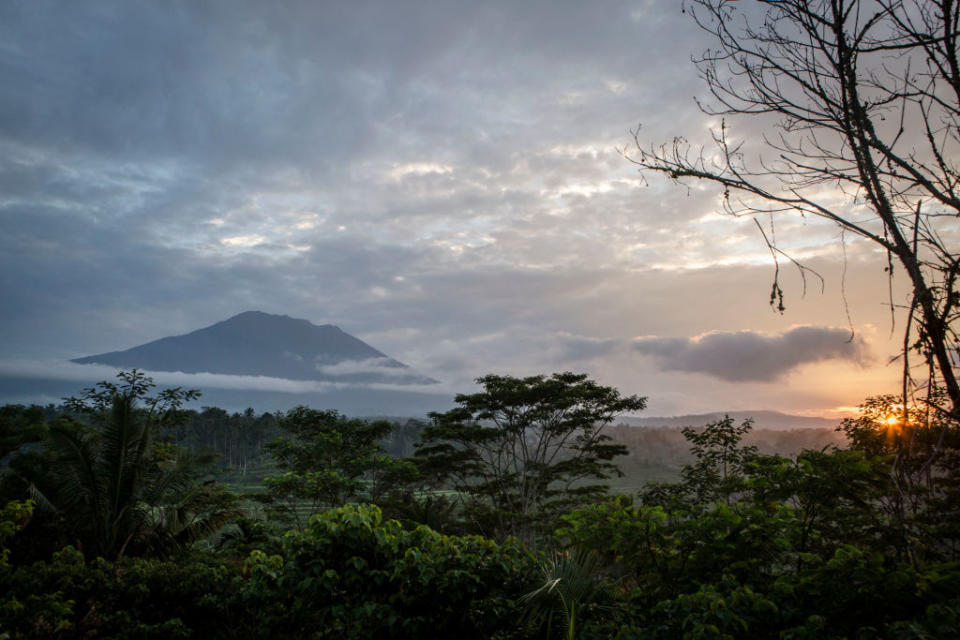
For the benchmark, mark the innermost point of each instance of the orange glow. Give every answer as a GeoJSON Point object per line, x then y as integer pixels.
{"type": "Point", "coordinates": [892, 416]}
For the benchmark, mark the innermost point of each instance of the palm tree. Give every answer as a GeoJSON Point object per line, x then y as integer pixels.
{"type": "Point", "coordinates": [572, 580]}
{"type": "Point", "coordinates": [119, 489]}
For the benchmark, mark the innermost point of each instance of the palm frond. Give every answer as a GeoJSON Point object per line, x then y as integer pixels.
{"type": "Point", "coordinates": [124, 445]}
{"type": "Point", "coordinates": [76, 464]}
{"type": "Point", "coordinates": [44, 504]}
{"type": "Point", "coordinates": [571, 579]}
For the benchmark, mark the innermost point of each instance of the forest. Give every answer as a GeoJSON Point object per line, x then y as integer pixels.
{"type": "Point", "coordinates": [127, 515]}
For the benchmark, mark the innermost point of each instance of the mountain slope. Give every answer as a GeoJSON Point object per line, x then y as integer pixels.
{"type": "Point", "coordinates": [262, 344]}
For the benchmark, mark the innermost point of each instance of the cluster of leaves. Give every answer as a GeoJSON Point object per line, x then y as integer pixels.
{"type": "Point", "coordinates": [920, 443]}
{"type": "Point", "coordinates": [106, 479]}
{"type": "Point", "coordinates": [327, 460]}
{"type": "Point", "coordinates": [760, 546]}
{"type": "Point", "coordinates": [352, 574]}
{"type": "Point", "coordinates": [349, 574]}
{"type": "Point", "coordinates": [69, 596]}
{"type": "Point", "coordinates": [526, 450]}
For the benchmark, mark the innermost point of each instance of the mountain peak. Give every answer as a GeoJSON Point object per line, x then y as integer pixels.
{"type": "Point", "coordinates": [255, 343]}
{"type": "Point", "coordinates": [255, 316]}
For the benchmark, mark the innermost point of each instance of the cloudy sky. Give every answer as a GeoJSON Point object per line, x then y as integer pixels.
{"type": "Point", "coordinates": [440, 179]}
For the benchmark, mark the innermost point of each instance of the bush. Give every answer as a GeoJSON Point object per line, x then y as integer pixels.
{"type": "Point", "coordinates": [350, 574]}
{"type": "Point", "coordinates": [68, 597]}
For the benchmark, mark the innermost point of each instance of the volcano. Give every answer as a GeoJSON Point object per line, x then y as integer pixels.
{"type": "Point", "coordinates": [255, 343]}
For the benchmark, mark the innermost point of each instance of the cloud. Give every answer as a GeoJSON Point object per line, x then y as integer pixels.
{"type": "Point", "coordinates": [378, 367]}
{"type": "Point", "coordinates": [747, 356]}
{"type": "Point", "coordinates": [440, 179]}
{"type": "Point", "coordinates": [575, 347]}
{"type": "Point", "coordinates": [87, 374]}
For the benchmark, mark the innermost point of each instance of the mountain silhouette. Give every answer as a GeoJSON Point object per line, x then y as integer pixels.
{"type": "Point", "coordinates": [255, 343]}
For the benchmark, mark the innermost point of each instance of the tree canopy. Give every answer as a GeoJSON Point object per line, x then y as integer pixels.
{"type": "Point", "coordinates": [113, 486]}
{"type": "Point", "coordinates": [525, 449]}
{"type": "Point", "coordinates": [326, 459]}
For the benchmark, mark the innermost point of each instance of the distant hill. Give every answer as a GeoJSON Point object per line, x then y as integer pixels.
{"type": "Point", "coordinates": [762, 419]}
{"type": "Point", "coordinates": [255, 343]}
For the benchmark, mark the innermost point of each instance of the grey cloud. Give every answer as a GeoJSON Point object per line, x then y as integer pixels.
{"type": "Point", "coordinates": [746, 356]}
{"type": "Point", "coordinates": [137, 137]}
{"type": "Point", "coordinates": [85, 373]}
{"type": "Point", "coordinates": [574, 347]}
{"type": "Point", "coordinates": [379, 366]}
{"type": "Point", "coordinates": [52, 369]}
{"type": "Point", "coordinates": [311, 80]}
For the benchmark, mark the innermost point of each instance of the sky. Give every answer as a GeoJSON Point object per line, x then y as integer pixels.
{"type": "Point", "coordinates": [444, 180]}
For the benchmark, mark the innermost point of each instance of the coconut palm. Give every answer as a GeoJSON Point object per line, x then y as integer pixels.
{"type": "Point", "coordinates": [118, 488]}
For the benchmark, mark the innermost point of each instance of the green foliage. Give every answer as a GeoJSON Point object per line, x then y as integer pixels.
{"type": "Point", "coordinates": [12, 517]}
{"type": "Point", "coordinates": [875, 430]}
{"type": "Point", "coordinates": [244, 535]}
{"type": "Point", "coordinates": [938, 621]}
{"type": "Point", "coordinates": [22, 430]}
{"type": "Point", "coordinates": [743, 546]}
{"type": "Point", "coordinates": [672, 552]}
{"type": "Point", "coordinates": [68, 597]}
{"type": "Point", "coordinates": [525, 450]}
{"type": "Point", "coordinates": [732, 572]}
{"type": "Point", "coordinates": [327, 460]}
{"type": "Point", "coordinates": [717, 472]}
{"type": "Point", "coordinates": [920, 448]}
{"type": "Point", "coordinates": [724, 611]}
{"type": "Point", "coordinates": [19, 426]}
{"type": "Point", "coordinates": [160, 412]}
{"type": "Point", "coordinates": [837, 496]}
{"type": "Point", "coordinates": [656, 454]}
{"type": "Point", "coordinates": [572, 583]}
{"type": "Point", "coordinates": [352, 575]}
{"type": "Point", "coordinates": [114, 488]}
{"type": "Point", "coordinates": [775, 548]}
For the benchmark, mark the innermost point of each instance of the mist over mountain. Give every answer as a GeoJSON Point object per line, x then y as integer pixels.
{"type": "Point", "coordinates": [255, 343]}
{"type": "Point", "coordinates": [762, 419]}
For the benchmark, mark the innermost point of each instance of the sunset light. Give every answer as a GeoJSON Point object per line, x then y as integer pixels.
{"type": "Point", "coordinates": [512, 213]}
{"type": "Point", "coordinates": [894, 415]}
{"type": "Point", "coordinates": [518, 320]}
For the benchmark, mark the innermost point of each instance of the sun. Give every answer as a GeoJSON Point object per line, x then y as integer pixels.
{"type": "Point", "coordinates": [891, 417]}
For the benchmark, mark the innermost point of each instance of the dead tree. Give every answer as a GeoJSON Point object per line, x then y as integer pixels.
{"type": "Point", "coordinates": [859, 98]}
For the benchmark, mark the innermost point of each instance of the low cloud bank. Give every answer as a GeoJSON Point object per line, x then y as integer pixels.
{"type": "Point", "coordinates": [748, 356]}
{"type": "Point", "coordinates": [379, 366]}
{"type": "Point", "coordinates": [87, 374]}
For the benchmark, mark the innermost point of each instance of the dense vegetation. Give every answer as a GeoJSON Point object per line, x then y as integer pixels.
{"type": "Point", "coordinates": [115, 525]}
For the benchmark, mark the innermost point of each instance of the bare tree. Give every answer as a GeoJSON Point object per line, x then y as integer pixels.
{"type": "Point", "coordinates": [861, 99]}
